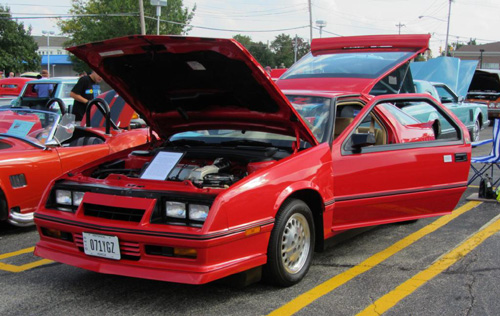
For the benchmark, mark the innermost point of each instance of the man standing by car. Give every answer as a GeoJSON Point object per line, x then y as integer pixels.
{"type": "Point", "coordinates": [86, 89]}
{"type": "Point", "coordinates": [44, 90]}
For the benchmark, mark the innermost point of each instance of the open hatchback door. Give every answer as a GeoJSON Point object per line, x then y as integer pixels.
{"type": "Point", "coordinates": [377, 64]}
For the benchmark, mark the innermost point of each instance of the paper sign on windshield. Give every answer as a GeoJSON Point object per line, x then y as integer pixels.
{"type": "Point", "coordinates": [20, 128]}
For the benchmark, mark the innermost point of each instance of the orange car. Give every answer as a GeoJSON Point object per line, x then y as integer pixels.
{"type": "Point", "coordinates": [39, 145]}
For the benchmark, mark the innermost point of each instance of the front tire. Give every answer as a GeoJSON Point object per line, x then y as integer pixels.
{"type": "Point", "coordinates": [291, 244]}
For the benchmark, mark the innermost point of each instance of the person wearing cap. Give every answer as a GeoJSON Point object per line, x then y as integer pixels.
{"type": "Point", "coordinates": [86, 89]}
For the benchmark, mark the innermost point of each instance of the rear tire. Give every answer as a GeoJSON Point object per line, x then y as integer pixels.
{"type": "Point", "coordinates": [291, 244]}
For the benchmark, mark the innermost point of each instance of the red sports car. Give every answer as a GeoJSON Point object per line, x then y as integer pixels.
{"type": "Point", "coordinates": [39, 145]}
{"type": "Point", "coordinates": [246, 178]}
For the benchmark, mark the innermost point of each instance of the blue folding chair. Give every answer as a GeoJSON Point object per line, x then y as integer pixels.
{"type": "Point", "coordinates": [491, 161]}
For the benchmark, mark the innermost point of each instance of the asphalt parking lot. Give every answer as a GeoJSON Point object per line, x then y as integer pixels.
{"type": "Point", "coordinates": [435, 266]}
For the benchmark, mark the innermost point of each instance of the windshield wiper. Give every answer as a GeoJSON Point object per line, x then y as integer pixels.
{"type": "Point", "coordinates": [246, 142]}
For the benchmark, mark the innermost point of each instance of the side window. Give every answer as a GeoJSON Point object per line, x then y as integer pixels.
{"type": "Point", "coordinates": [427, 112]}
{"type": "Point", "coordinates": [409, 122]}
{"type": "Point", "coordinates": [66, 90]}
{"type": "Point", "coordinates": [445, 95]}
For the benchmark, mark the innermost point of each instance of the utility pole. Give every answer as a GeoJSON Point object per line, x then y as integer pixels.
{"type": "Point", "coordinates": [399, 26]}
{"type": "Point", "coordinates": [295, 49]}
{"type": "Point", "coordinates": [448, 28]}
{"type": "Point", "coordinates": [141, 15]}
{"type": "Point", "coordinates": [310, 23]}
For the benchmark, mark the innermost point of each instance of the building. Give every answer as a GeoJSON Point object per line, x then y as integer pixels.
{"type": "Point", "coordinates": [487, 55]}
{"type": "Point", "coordinates": [51, 49]}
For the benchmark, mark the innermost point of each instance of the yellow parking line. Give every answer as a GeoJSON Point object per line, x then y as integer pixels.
{"type": "Point", "coordinates": [24, 267]}
{"type": "Point", "coordinates": [17, 253]}
{"type": "Point", "coordinates": [326, 287]}
{"type": "Point", "coordinates": [395, 296]}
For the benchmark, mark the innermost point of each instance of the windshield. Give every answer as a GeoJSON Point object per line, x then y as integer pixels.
{"type": "Point", "coordinates": [346, 65]}
{"type": "Point", "coordinates": [315, 111]}
{"type": "Point", "coordinates": [35, 126]}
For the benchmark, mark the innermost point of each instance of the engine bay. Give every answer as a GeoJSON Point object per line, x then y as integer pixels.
{"type": "Point", "coordinates": [204, 166]}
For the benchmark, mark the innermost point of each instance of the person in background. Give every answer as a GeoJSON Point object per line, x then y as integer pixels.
{"type": "Point", "coordinates": [86, 89]}
{"type": "Point", "coordinates": [44, 90]}
{"type": "Point", "coordinates": [11, 74]}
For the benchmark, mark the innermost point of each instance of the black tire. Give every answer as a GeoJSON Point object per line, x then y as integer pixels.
{"type": "Point", "coordinates": [294, 227]}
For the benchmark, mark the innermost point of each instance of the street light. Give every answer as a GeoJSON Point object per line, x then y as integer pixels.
{"type": "Point", "coordinates": [321, 24]}
{"type": "Point", "coordinates": [48, 33]}
{"type": "Point", "coordinates": [447, 27]}
{"type": "Point", "coordinates": [158, 4]}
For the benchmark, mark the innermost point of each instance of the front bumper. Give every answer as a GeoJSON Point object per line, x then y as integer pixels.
{"type": "Point", "coordinates": [217, 257]}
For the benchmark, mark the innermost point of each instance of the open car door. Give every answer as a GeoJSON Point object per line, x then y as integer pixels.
{"type": "Point", "coordinates": [379, 179]}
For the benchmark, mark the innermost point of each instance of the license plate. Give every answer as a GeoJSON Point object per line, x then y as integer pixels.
{"type": "Point", "coordinates": [101, 246]}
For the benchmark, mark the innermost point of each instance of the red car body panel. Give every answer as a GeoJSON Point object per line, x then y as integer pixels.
{"type": "Point", "coordinates": [389, 182]}
{"type": "Point", "coordinates": [11, 87]}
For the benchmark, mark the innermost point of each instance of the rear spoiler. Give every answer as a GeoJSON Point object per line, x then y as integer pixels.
{"type": "Point", "coordinates": [416, 42]}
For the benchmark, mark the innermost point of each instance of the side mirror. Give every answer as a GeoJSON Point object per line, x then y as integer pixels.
{"type": "Point", "coordinates": [360, 140]}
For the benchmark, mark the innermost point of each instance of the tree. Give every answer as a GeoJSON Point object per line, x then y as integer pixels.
{"type": "Point", "coordinates": [18, 53]}
{"type": "Point", "coordinates": [283, 48]}
{"type": "Point", "coordinates": [259, 50]}
{"type": "Point", "coordinates": [109, 20]}
{"type": "Point", "coordinates": [472, 41]}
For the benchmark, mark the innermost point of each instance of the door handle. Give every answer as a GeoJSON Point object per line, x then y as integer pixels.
{"type": "Point", "coordinates": [460, 157]}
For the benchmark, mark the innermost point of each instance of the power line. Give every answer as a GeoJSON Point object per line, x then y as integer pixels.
{"type": "Point", "coordinates": [229, 30]}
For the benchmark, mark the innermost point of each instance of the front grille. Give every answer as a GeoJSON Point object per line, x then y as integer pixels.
{"type": "Point", "coordinates": [128, 250]}
{"type": "Point", "coordinates": [114, 213]}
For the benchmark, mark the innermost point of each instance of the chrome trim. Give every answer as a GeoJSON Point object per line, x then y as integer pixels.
{"type": "Point", "coordinates": [21, 220]}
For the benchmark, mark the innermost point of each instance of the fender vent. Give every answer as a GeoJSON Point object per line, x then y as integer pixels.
{"type": "Point", "coordinates": [18, 180]}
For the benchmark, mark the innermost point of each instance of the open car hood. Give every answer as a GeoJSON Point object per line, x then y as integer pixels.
{"type": "Point", "coordinates": [182, 83]}
{"type": "Point", "coordinates": [354, 64]}
{"type": "Point", "coordinates": [455, 73]}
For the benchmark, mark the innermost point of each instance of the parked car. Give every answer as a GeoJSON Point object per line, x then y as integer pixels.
{"type": "Point", "coordinates": [61, 88]}
{"type": "Point", "coordinates": [485, 88]}
{"type": "Point", "coordinates": [474, 115]}
{"type": "Point", "coordinates": [10, 89]}
{"type": "Point", "coordinates": [244, 178]}
{"type": "Point", "coordinates": [38, 145]}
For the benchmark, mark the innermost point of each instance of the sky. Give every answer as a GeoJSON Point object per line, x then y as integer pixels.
{"type": "Point", "coordinates": [263, 20]}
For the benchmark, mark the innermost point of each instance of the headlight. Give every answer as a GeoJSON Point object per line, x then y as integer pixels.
{"type": "Point", "coordinates": [63, 197]}
{"type": "Point", "coordinates": [68, 198]}
{"type": "Point", "coordinates": [185, 213]}
{"type": "Point", "coordinates": [198, 212]}
{"type": "Point", "coordinates": [77, 197]}
{"type": "Point", "coordinates": [176, 209]}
